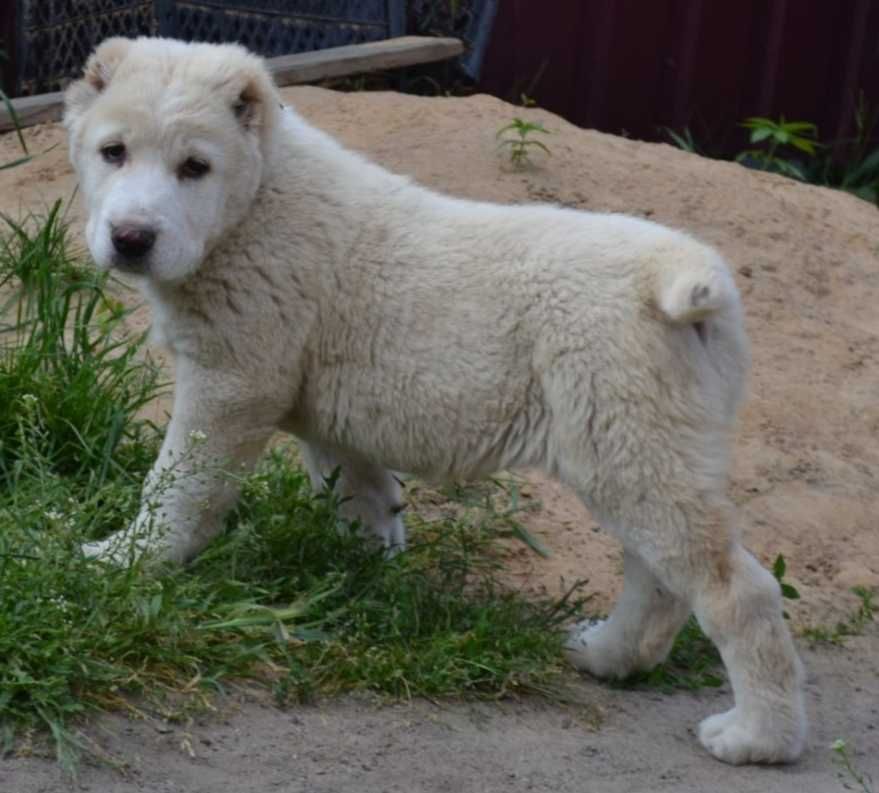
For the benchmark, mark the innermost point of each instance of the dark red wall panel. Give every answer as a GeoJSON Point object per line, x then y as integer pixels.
{"type": "Point", "coordinates": [634, 66]}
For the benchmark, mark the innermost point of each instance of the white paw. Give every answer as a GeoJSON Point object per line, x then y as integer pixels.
{"type": "Point", "coordinates": [107, 551]}
{"type": "Point", "coordinates": [714, 725]}
{"type": "Point", "coordinates": [123, 550]}
{"type": "Point", "coordinates": [592, 647]}
{"type": "Point", "coordinates": [393, 536]}
{"type": "Point", "coordinates": [734, 739]}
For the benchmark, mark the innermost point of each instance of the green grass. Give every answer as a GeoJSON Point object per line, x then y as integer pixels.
{"type": "Point", "coordinates": [837, 634]}
{"type": "Point", "coordinates": [692, 664]}
{"type": "Point", "coordinates": [283, 597]}
{"type": "Point", "coordinates": [69, 382]}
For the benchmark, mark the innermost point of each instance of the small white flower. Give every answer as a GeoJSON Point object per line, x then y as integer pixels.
{"type": "Point", "coordinates": [258, 487]}
{"type": "Point", "coordinates": [197, 436]}
{"type": "Point", "coordinates": [29, 399]}
{"type": "Point", "coordinates": [60, 602]}
{"type": "Point", "coordinates": [53, 515]}
{"type": "Point", "coordinates": [838, 745]}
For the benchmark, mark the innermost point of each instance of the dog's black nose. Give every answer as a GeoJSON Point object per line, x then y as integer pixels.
{"type": "Point", "coordinates": [132, 241]}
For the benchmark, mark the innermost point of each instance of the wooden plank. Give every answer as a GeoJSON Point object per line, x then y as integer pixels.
{"type": "Point", "coordinates": [304, 67]}
{"type": "Point", "coordinates": [307, 67]}
{"type": "Point", "coordinates": [32, 110]}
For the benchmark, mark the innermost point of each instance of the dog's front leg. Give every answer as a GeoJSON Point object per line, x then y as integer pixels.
{"type": "Point", "coordinates": [370, 494]}
{"type": "Point", "coordinates": [215, 436]}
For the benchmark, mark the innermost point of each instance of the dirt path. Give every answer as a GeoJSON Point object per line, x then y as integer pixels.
{"type": "Point", "coordinates": [807, 262]}
{"type": "Point", "coordinates": [641, 742]}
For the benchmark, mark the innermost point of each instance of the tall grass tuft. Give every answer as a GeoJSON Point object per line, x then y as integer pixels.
{"type": "Point", "coordinates": [71, 382]}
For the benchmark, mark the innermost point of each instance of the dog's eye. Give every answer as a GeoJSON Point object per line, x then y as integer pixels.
{"type": "Point", "coordinates": [193, 169]}
{"type": "Point", "coordinates": [113, 153]}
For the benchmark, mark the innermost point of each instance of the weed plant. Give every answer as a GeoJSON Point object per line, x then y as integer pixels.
{"type": "Point", "coordinates": [851, 163]}
{"type": "Point", "coordinates": [521, 143]}
{"type": "Point", "coordinates": [855, 625]}
{"type": "Point", "coordinates": [774, 137]}
{"type": "Point", "coordinates": [850, 777]}
{"type": "Point", "coordinates": [792, 148]}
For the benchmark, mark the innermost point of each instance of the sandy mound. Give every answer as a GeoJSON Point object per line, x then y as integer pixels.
{"type": "Point", "coordinates": [807, 262]}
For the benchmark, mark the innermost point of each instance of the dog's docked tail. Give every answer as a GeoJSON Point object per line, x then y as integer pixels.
{"type": "Point", "coordinates": [693, 286]}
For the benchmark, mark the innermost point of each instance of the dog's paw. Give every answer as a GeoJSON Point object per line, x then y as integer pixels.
{"type": "Point", "coordinates": [593, 646]}
{"type": "Point", "coordinates": [124, 550]}
{"type": "Point", "coordinates": [736, 740]}
{"type": "Point", "coordinates": [103, 551]}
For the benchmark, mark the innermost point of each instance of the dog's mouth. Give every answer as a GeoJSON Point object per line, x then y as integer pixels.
{"type": "Point", "coordinates": [133, 265]}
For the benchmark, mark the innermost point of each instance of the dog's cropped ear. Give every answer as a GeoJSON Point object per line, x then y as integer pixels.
{"type": "Point", "coordinates": [97, 74]}
{"type": "Point", "coordinates": [248, 107]}
{"type": "Point", "coordinates": [255, 100]}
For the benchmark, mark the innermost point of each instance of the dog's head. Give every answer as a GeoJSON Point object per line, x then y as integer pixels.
{"type": "Point", "coordinates": [170, 142]}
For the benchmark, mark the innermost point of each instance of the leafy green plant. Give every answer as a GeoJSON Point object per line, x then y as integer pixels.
{"type": "Point", "coordinates": [847, 768]}
{"type": "Point", "coordinates": [521, 144]}
{"type": "Point", "coordinates": [852, 164]}
{"type": "Point", "coordinates": [788, 590]}
{"type": "Point", "coordinates": [791, 148]}
{"type": "Point", "coordinates": [779, 140]}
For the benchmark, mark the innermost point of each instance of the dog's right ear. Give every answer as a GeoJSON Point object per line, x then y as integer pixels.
{"type": "Point", "coordinates": [97, 74]}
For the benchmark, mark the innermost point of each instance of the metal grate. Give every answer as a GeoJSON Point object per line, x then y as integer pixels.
{"type": "Point", "coordinates": [279, 27]}
{"type": "Point", "coordinates": [468, 20]}
{"type": "Point", "coordinates": [54, 37]}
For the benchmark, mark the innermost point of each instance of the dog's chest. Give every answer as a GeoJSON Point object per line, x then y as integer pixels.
{"type": "Point", "coordinates": [179, 332]}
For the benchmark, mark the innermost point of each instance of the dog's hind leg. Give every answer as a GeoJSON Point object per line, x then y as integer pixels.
{"type": "Point", "coordinates": [640, 631]}
{"type": "Point", "coordinates": [738, 604]}
{"type": "Point", "coordinates": [692, 549]}
{"type": "Point", "coordinates": [370, 494]}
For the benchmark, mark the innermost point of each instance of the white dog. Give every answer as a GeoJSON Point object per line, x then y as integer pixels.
{"type": "Point", "coordinates": [390, 328]}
